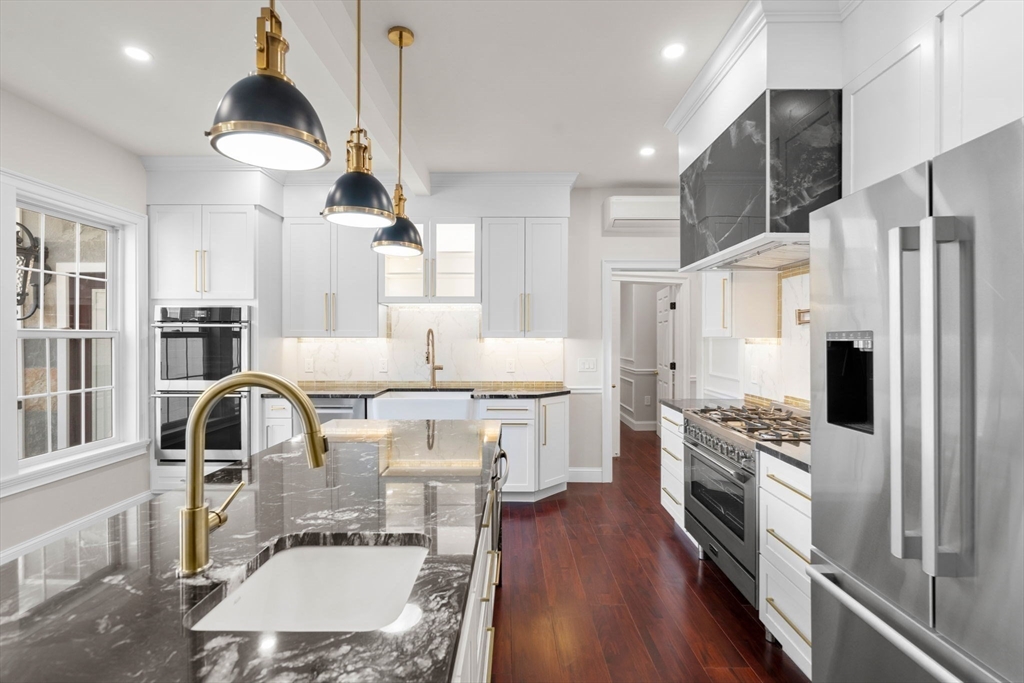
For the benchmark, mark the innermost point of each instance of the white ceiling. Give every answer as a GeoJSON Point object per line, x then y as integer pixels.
{"type": "Point", "coordinates": [491, 85]}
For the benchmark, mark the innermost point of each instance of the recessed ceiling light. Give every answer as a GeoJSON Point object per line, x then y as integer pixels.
{"type": "Point", "coordinates": [138, 54]}
{"type": "Point", "coordinates": [673, 51]}
{"type": "Point", "coordinates": [646, 151]}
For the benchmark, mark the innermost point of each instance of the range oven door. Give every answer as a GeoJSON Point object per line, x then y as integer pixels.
{"type": "Point", "coordinates": [193, 356]}
{"type": "Point", "coordinates": [723, 498]}
{"type": "Point", "coordinates": [227, 431]}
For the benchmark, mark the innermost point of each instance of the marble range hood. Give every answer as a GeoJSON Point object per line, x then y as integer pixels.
{"type": "Point", "coordinates": [745, 202]}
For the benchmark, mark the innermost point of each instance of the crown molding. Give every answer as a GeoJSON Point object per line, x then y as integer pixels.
{"type": "Point", "coordinates": [327, 178]}
{"type": "Point", "coordinates": [752, 19]}
{"type": "Point", "coordinates": [750, 22]}
{"type": "Point", "coordinates": [567, 180]}
{"type": "Point", "coordinates": [207, 163]}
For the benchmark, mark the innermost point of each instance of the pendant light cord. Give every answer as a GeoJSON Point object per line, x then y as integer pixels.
{"type": "Point", "coordinates": [359, 62]}
{"type": "Point", "coordinates": [401, 49]}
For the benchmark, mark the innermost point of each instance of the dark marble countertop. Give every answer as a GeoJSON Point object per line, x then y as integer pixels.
{"type": "Point", "coordinates": [795, 453]}
{"type": "Point", "coordinates": [483, 393]}
{"type": "Point", "coordinates": [104, 603]}
{"type": "Point", "coordinates": [682, 404]}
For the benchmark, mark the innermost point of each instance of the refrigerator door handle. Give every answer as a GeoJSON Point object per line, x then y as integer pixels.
{"type": "Point", "coordinates": [902, 544]}
{"type": "Point", "coordinates": [934, 231]}
{"type": "Point", "coordinates": [821, 576]}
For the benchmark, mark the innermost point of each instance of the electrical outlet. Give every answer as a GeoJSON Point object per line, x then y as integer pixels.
{"type": "Point", "coordinates": [309, 365]}
{"type": "Point", "coordinates": [382, 365]}
{"type": "Point", "coordinates": [510, 365]}
{"type": "Point", "coordinates": [647, 400]}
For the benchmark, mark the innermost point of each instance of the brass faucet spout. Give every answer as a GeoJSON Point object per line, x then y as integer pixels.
{"type": "Point", "coordinates": [196, 518]}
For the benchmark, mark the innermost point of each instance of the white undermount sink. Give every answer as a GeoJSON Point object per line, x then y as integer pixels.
{"type": "Point", "coordinates": [321, 588]}
{"type": "Point", "coordinates": [423, 405]}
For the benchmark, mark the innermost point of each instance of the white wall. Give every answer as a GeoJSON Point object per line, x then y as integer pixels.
{"type": "Point", "coordinates": [587, 249]}
{"type": "Point", "coordinates": [77, 160]}
{"type": "Point", "coordinates": [638, 381]}
{"type": "Point", "coordinates": [40, 144]}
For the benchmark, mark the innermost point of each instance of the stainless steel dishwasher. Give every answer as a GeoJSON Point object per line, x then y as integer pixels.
{"type": "Point", "coordinates": [329, 408]}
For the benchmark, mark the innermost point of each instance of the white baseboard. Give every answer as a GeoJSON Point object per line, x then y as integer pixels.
{"type": "Point", "coordinates": [585, 475]}
{"type": "Point", "coordinates": [31, 544]}
{"type": "Point", "coordinates": [522, 497]}
{"type": "Point", "coordinates": [639, 425]}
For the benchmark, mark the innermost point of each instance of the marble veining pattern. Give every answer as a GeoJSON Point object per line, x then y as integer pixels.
{"type": "Point", "coordinates": [105, 604]}
{"type": "Point", "coordinates": [466, 356]}
{"type": "Point", "coordinates": [779, 370]}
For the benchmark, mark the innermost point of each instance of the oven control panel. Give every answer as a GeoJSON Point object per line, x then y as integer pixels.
{"type": "Point", "coordinates": [725, 448]}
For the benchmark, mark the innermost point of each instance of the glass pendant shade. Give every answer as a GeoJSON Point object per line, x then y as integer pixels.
{"type": "Point", "coordinates": [400, 239]}
{"type": "Point", "coordinates": [359, 200]}
{"type": "Point", "coordinates": [265, 121]}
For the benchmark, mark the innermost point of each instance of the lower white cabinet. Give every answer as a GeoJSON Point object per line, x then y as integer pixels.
{"type": "Point", "coordinates": [476, 639]}
{"type": "Point", "coordinates": [277, 422]}
{"type": "Point", "coordinates": [535, 437]}
{"type": "Point", "coordinates": [784, 589]}
{"type": "Point", "coordinates": [672, 463]}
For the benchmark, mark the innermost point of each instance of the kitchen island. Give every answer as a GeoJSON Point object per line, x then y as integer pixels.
{"type": "Point", "coordinates": [103, 603]}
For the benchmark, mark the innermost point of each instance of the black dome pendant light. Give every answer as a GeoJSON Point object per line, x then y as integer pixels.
{"type": "Point", "coordinates": [402, 238]}
{"type": "Point", "coordinates": [263, 119]}
{"type": "Point", "coordinates": [357, 199]}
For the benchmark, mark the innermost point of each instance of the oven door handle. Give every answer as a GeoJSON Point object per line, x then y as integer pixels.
{"type": "Point", "coordinates": [234, 326]}
{"type": "Point", "coordinates": [244, 395]}
{"type": "Point", "coordinates": [737, 475]}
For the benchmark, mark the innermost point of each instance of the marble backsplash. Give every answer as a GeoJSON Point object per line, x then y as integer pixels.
{"type": "Point", "coordinates": [780, 368]}
{"type": "Point", "coordinates": [465, 355]}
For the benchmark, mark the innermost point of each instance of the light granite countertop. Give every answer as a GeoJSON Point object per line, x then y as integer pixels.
{"type": "Point", "coordinates": [104, 603]}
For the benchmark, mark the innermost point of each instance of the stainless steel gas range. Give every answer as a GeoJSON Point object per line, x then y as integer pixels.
{"type": "Point", "coordinates": [720, 487]}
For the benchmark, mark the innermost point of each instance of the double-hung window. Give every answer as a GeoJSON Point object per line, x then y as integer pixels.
{"type": "Point", "coordinates": [67, 333]}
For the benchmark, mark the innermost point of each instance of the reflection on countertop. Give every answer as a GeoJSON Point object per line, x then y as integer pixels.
{"type": "Point", "coordinates": [510, 390]}
{"type": "Point", "coordinates": [104, 604]}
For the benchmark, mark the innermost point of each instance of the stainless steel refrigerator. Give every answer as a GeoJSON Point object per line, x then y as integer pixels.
{"type": "Point", "coordinates": [917, 333]}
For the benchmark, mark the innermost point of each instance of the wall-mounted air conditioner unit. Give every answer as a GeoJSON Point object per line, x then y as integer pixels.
{"type": "Point", "coordinates": [641, 216]}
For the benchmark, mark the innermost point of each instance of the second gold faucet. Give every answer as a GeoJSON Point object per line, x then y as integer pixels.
{"type": "Point", "coordinates": [432, 358]}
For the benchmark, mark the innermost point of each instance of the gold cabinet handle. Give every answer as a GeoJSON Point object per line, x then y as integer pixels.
{"type": "Point", "coordinates": [327, 326]}
{"type": "Point", "coordinates": [545, 426]}
{"type": "Point", "coordinates": [497, 570]}
{"type": "Point", "coordinates": [490, 652]}
{"type": "Point", "coordinates": [671, 422]}
{"type": "Point", "coordinates": [493, 580]}
{"type": "Point", "coordinates": [486, 524]}
{"type": "Point", "coordinates": [674, 499]}
{"type": "Point", "coordinates": [676, 457]}
{"type": "Point", "coordinates": [195, 270]}
{"type": "Point", "coordinates": [334, 311]}
{"type": "Point", "coordinates": [522, 314]}
{"type": "Point", "coordinates": [790, 546]}
{"type": "Point", "coordinates": [788, 486]}
{"type": "Point", "coordinates": [206, 273]}
{"type": "Point", "coordinates": [490, 408]}
{"type": "Point", "coordinates": [771, 601]}
{"type": "Point", "coordinates": [723, 303]}
{"type": "Point", "coordinates": [529, 314]}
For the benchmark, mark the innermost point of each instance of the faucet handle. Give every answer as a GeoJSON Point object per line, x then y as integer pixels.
{"type": "Point", "coordinates": [438, 367]}
{"type": "Point", "coordinates": [219, 516]}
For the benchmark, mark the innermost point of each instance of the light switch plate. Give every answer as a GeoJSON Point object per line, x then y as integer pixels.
{"type": "Point", "coordinates": [586, 365]}
{"type": "Point", "coordinates": [510, 365]}
{"type": "Point", "coordinates": [308, 365]}
{"type": "Point", "coordinates": [647, 400]}
{"type": "Point", "coordinates": [382, 365]}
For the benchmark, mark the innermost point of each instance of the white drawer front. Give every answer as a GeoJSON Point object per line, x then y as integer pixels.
{"type": "Point", "coordinates": [786, 611]}
{"type": "Point", "coordinates": [506, 409]}
{"type": "Point", "coordinates": [672, 494]}
{"type": "Point", "coordinates": [671, 420]}
{"type": "Point", "coordinates": [787, 482]}
{"type": "Point", "coordinates": [786, 539]}
{"type": "Point", "coordinates": [672, 453]}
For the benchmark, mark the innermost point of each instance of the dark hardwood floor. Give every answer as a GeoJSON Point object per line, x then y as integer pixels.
{"type": "Point", "coordinates": [599, 586]}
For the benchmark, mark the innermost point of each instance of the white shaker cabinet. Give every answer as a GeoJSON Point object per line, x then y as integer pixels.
{"type": "Point", "coordinates": [740, 304]}
{"type": "Point", "coordinates": [202, 252]}
{"type": "Point", "coordinates": [553, 460]}
{"type": "Point", "coordinates": [525, 287]}
{"type": "Point", "coordinates": [330, 284]}
{"type": "Point", "coordinates": [448, 271]}
{"type": "Point", "coordinates": [547, 277]}
{"type": "Point", "coordinates": [504, 266]}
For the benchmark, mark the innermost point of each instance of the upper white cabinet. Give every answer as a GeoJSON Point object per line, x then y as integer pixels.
{"type": "Point", "coordinates": [525, 290]}
{"type": "Point", "coordinates": [448, 271]}
{"type": "Point", "coordinates": [740, 304]}
{"type": "Point", "coordinates": [202, 252]}
{"type": "Point", "coordinates": [329, 280]}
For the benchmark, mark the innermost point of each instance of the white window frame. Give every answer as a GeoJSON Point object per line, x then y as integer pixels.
{"type": "Point", "coordinates": [126, 310]}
